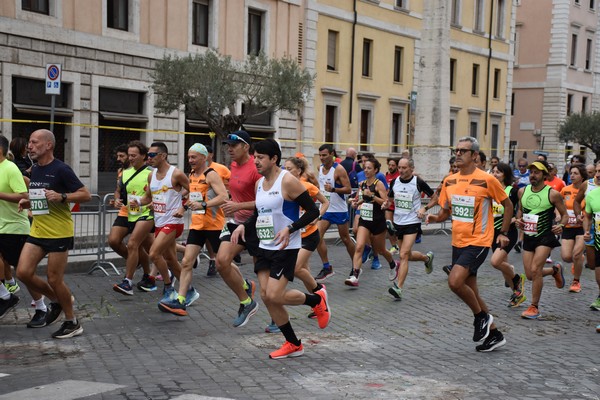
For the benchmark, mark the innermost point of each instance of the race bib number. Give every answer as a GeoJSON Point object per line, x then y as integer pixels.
{"type": "Point", "coordinates": [224, 232]}
{"type": "Point", "coordinates": [366, 211]}
{"type": "Point", "coordinates": [197, 196]}
{"type": "Point", "coordinates": [572, 218]}
{"type": "Point", "coordinates": [531, 224]}
{"type": "Point", "coordinates": [326, 194]}
{"type": "Point", "coordinates": [497, 209]}
{"type": "Point", "coordinates": [131, 209]}
{"type": "Point", "coordinates": [265, 229]}
{"type": "Point", "coordinates": [39, 202]}
{"type": "Point", "coordinates": [463, 208]}
{"type": "Point", "coordinates": [159, 204]}
{"type": "Point", "coordinates": [597, 223]}
{"type": "Point", "coordinates": [403, 202]}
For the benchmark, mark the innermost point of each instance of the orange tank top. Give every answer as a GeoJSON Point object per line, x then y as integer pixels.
{"type": "Point", "coordinates": [211, 219]}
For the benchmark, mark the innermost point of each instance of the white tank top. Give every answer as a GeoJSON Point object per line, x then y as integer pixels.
{"type": "Point", "coordinates": [337, 202]}
{"type": "Point", "coordinates": [407, 201]}
{"type": "Point", "coordinates": [165, 199]}
{"type": "Point", "coordinates": [591, 186]}
{"type": "Point", "coordinates": [274, 214]}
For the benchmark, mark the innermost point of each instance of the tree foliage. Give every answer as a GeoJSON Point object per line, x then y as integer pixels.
{"type": "Point", "coordinates": [582, 128]}
{"type": "Point", "coordinates": [210, 84]}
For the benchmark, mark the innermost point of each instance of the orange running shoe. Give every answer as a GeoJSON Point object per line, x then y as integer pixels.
{"type": "Point", "coordinates": [559, 277]}
{"type": "Point", "coordinates": [575, 287]}
{"type": "Point", "coordinates": [287, 350]}
{"type": "Point", "coordinates": [322, 309]}
{"type": "Point", "coordinates": [531, 313]}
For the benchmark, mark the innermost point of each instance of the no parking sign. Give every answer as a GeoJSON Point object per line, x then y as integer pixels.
{"type": "Point", "coordinates": [53, 72]}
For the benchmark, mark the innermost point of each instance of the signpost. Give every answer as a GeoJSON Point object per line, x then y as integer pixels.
{"type": "Point", "coordinates": [53, 76]}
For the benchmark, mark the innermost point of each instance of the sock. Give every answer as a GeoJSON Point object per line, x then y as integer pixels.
{"type": "Point", "coordinates": [516, 279]}
{"type": "Point", "coordinates": [246, 286]}
{"type": "Point", "coordinates": [246, 302]}
{"type": "Point", "coordinates": [312, 300]}
{"type": "Point", "coordinates": [482, 314]}
{"type": "Point", "coordinates": [40, 305]}
{"type": "Point", "coordinates": [575, 280]}
{"type": "Point", "coordinates": [4, 293]}
{"type": "Point", "coordinates": [181, 299]}
{"type": "Point", "coordinates": [392, 264]}
{"type": "Point", "coordinates": [327, 266]}
{"type": "Point", "coordinates": [493, 332]}
{"type": "Point", "coordinates": [289, 334]}
{"type": "Point", "coordinates": [318, 287]}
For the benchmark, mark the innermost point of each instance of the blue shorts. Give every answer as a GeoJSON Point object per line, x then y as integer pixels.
{"type": "Point", "coordinates": [336, 218]}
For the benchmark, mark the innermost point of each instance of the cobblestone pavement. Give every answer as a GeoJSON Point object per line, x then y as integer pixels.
{"type": "Point", "coordinates": [374, 348]}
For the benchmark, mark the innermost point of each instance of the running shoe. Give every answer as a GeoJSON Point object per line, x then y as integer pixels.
{"type": "Point", "coordinates": [322, 310]}
{"type": "Point", "coordinates": [68, 329]}
{"type": "Point", "coordinates": [324, 274]}
{"type": "Point", "coordinates": [173, 306]}
{"type": "Point", "coordinates": [520, 287]}
{"type": "Point", "coordinates": [8, 304]}
{"type": "Point", "coordinates": [575, 287]}
{"type": "Point", "coordinates": [54, 311]}
{"type": "Point", "coordinates": [367, 252]}
{"type": "Point", "coordinates": [251, 288]}
{"type": "Point", "coordinates": [394, 271]}
{"type": "Point", "coordinates": [517, 247]}
{"type": "Point", "coordinates": [482, 327]}
{"type": "Point", "coordinates": [418, 239]}
{"type": "Point", "coordinates": [516, 301]}
{"type": "Point", "coordinates": [148, 285]}
{"type": "Point", "coordinates": [123, 288]}
{"type": "Point", "coordinates": [492, 342]}
{"type": "Point", "coordinates": [272, 328]}
{"type": "Point", "coordinates": [394, 249]}
{"type": "Point", "coordinates": [389, 225]}
{"type": "Point", "coordinates": [447, 269]}
{"type": "Point", "coordinates": [191, 296]}
{"type": "Point", "coordinates": [532, 312]}
{"type": "Point", "coordinates": [12, 287]}
{"type": "Point", "coordinates": [429, 262]}
{"type": "Point", "coordinates": [312, 315]}
{"type": "Point", "coordinates": [196, 262]}
{"type": "Point", "coordinates": [287, 350]}
{"type": "Point", "coordinates": [396, 292]}
{"type": "Point", "coordinates": [559, 277]}
{"type": "Point", "coordinates": [596, 304]}
{"type": "Point", "coordinates": [169, 293]}
{"type": "Point", "coordinates": [38, 320]}
{"type": "Point", "coordinates": [212, 268]}
{"type": "Point", "coordinates": [597, 328]}
{"type": "Point", "coordinates": [158, 277]}
{"type": "Point", "coordinates": [375, 264]}
{"type": "Point", "coordinates": [549, 260]}
{"type": "Point", "coordinates": [353, 278]}
{"type": "Point", "coordinates": [244, 314]}
{"type": "Point", "coordinates": [237, 259]}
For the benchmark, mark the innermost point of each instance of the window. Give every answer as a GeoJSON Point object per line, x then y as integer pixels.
{"type": "Point", "coordinates": [577, 2]}
{"type": "Point", "coordinates": [584, 104]}
{"type": "Point", "coordinates": [200, 23]}
{"type": "Point", "coordinates": [473, 128]}
{"type": "Point", "coordinates": [495, 139]}
{"type": "Point", "coordinates": [255, 20]}
{"type": "Point", "coordinates": [479, 9]}
{"type": "Point", "coordinates": [592, 4]}
{"type": "Point", "coordinates": [573, 49]}
{"type": "Point", "coordinates": [366, 62]}
{"type": "Point", "coordinates": [117, 14]}
{"type": "Point", "coordinates": [453, 75]}
{"type": "Point", "coordinates": [38, 6]}
{"type": "Point", "coordinates": [455, 16]}
{"type": "Point", "coordinates": [569, 104]}
{"type": "Point", "coordinates": [401, 3]}
{"type": "Point", "coordinates": [588, 54]}
{"type": "Point", "coordinates": [496, 83]}
{"type": "Point", "coordinates": [365, 122]}
{"type": "Point", "coordinates": [512, 103]}
{"type": "Point", "coordinates": [332, 42]}
{"type": "Point", "coordinates": [475, 80]}
{"type": "Point", "coordinates": [398, 53]}
{"type": "Point", "coordinates": [396, 132]}
{"type": "Point", "coordinates": [330, 113]}
{"type": "Point", "coordinates": [500, 19]}
{"type": "Point", "coordinates": [452, 131]}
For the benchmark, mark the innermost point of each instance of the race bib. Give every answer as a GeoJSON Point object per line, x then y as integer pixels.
{"type": "Point", "coordinates": [159, 204]}
{"type": "Point", "coordinates": [131, 209]}
{"type": "Point", "coordinates": [326, 194]}
{"type": "Point", "coordinates": [497, 209]}
{"type": "Point", "coordinates": [366, 211]}
{"type": "Point", "coordinates": [463, 208]}
{"type": "Point", "coordinates": [224, 232]}
{"type": "Point", "coordinates": [597, 223]}
{"type": "Point", "coordinates": [403, 202]}
{"type": "Point", "coordinates": [197, 196]}
{"type": "Point", "coordinates": [265, 229]}
{"type": "Point", "coordinates": [572, 218]}
{"type": "Point", "coordinates": [39, 202]}
{"type": "Point", "coordinates": [531, 224]}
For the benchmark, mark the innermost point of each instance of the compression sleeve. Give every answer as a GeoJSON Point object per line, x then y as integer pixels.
{"type": "Point", "coordinates": [311, 212]}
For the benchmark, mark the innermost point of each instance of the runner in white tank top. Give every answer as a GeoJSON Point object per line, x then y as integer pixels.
{"type": "Point", "coordinates": [165, 199]}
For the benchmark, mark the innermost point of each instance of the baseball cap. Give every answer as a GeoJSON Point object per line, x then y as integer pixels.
{"type": "Point", "coordinates": [539, 165]}
{"type": "Point", "coordinates": [238, 137]}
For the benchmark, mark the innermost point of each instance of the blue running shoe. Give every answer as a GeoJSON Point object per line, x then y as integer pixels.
{"type": "Point", "coordinates": [375, 264]}
{"type": "Point", "coordinates": [169, 293]}
{"type": "Point", "coordinates": [272, 328]}
{"type": "Point", "coordinates": [173, 306]}
{"type": "Point", "coordinates": [191, 296]}
{"type": "Point", "coordinates": [244, 314]}
{"type": "Point", "coordinates": [123, 288]}
{"type": "Point", "coordinates": [366, 253]}
{"type": "Point", "coordinates": [418, 239]}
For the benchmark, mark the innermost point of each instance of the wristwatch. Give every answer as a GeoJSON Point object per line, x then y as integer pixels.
{"type": "Point", "coordinates": [504, 233]}
{"type": "Point", "coordinates": [203, 204]}
{"type": "Point", "coordinates": [64, 197]}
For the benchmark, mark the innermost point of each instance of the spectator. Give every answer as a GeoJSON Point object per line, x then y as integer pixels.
{"type": "Point", "coordinates": [351, 166]}
{"type": "Point", "coordinates": [18, 146]}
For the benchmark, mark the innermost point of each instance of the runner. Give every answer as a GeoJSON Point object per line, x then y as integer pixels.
{"type": "Point", "coordinates": [572, 244]}
{"type": "Point", "coordinates": [140, 221]}
{"type": "Point", "coordinates": [207, 194]}
{"type": "Point", "coordinates": [334, 184]}
{"type": "Point", "coordinates": [468, 196]}
{"type": "Point", "coordinates": [53, 186]}
{"type": "Point", "coordinates": [536, 214]}
{"type": "Point", "coordinates": [516, 282]}
{"type": "Point", "coordinates": [592, 216]}
{"type": "Point", "coordinates": [242, 189]}
{"type": "Point", "coordinates": [277, 221]}
{"type": "Point", "coordinates": [392, 174]}
{"type": "Point", "coordinates": [586, 187]}
{"type": "Point", "coordinates": [405, 193]}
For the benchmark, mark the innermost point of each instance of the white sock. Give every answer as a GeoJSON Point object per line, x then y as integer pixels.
{"type": "Point", "coordinates": [4, 293]}
{"type": "Point", "coordinates": [11, 282]}
{"type": "Point", "coordinates": [40, 305]}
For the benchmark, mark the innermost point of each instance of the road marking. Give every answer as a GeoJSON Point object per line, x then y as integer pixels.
{"type": "Point", "coordinates": [197, 397]}
{"type": "Point", "coordinates": [63, 390]}
{"type": "Point", "coordinates": [3, 375]}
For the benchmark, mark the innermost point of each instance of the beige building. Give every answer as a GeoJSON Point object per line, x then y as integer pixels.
{"type": "Point", "coordinates": [107, 49]}
{"type": "Point", "coordinates": [555, 73]}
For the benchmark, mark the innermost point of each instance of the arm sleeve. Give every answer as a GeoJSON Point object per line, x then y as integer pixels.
{"type": "Point", "coordinates": [391, 191]}
{"type": "Point", "coordinates": [311, 211]}
{"type": "Point", "coordinates": [423, 187]}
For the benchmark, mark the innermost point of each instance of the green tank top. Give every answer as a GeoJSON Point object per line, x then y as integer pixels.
{"type": "Point", "coordinates": [136, 189]}
{"type": "Point", "coordinates": [498, 210]}
{"type": "Point", "coordinates": [538, 211]}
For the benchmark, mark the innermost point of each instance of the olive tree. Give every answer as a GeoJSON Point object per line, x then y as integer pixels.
{"type": "Point", "coordinates": [582, 128]}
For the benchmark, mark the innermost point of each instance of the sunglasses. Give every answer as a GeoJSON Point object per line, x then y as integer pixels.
{"type": "Point", "coordinates": [462, 151]}
{"type": "Point", "coordinates": [522, 165]}
{"type": "Point", "coordinates": [236, 137]}
{"type": "Point", "coordinates": [153, 154]}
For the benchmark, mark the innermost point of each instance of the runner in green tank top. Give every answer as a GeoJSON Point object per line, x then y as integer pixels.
{"type": "Point", "coordinates": [592, 216]}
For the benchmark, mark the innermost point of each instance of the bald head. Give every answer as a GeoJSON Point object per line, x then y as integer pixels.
{"type": "Point", "coordinates": [45, 135]}
{"type": "Point", "coordinates": [41, 146]}
{"type": "Point", "coordinates": [351, 152]}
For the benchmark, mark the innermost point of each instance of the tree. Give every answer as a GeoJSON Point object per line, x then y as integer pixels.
{"type": "Point", "coordinates": [582, 128]}
{"type": "Point", "coordinates": [209, 85]}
